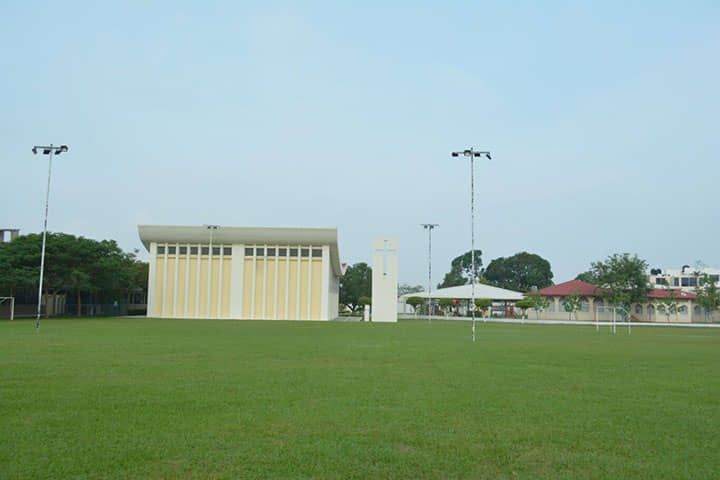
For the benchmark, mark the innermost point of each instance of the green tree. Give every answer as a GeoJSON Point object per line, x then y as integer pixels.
{"type": "Point", "coordinates": [587, 277]}
{"type": "Point", "coordinates": [524, 305]}
{"type": "Point", "coordinates": [571, 304]}
{"type": "Point", "coordinates": [482, 304]}
{"type": "Point", "coordinates": [539, 303]}
{"type": "Point", "coordinates": [356, 283]}
{"type": "Point", "coordinates": [519, 272]}
{"type": "Point", "coordinates": [446, 305]}
{"type": "Point", "coordinates": [461, 270]}
{"type": "Point", "coordinates": [75, 266]}
{"type": "Point", "coordinates": [622, 280]}
{"type": "Point", "coordinates": [708, 296]}
{"type": "Point", "coordinates": [416, 302]}
{"type": "Point", "coordinates": [404, 289]}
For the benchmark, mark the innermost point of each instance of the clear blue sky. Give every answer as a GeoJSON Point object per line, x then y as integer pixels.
{"type": "Point", "coordinates": [602, 118]}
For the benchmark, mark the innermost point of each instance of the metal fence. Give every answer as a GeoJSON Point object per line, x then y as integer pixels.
{"type": "Point", "coordinates": [88, 310]}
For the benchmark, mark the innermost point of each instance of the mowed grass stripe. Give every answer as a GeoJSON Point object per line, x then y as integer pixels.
{"type": "Point", "coordinates": [143, 398]}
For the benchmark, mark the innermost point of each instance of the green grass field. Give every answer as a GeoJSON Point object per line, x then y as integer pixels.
{"type": "Point", "coordinates": [138, 398]}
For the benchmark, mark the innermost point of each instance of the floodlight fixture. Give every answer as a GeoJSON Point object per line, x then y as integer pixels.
{"type": "Point", "coordinates": [50, 149]}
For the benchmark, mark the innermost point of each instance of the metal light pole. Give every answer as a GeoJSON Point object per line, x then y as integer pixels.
{"type": "Point", "coordinates": [471, 153]}
{"type": "Point", "coordinates": [48, 150]}
{"type": "Point", "coordinates": [429, 227]}
{"type": "Point", "coordinates": [211, 229]}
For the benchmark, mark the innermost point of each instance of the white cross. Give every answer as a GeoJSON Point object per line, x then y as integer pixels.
{"type": "Point", "coordinates": [386, 250]}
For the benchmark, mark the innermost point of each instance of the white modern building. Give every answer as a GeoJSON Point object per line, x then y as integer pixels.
{"type": "Point", "coordinates": [686, 278]}
{"type": "Point", "coordinates": [242, 272]}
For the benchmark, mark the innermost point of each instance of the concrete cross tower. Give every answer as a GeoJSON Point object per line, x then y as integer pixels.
{"type": "Point", "coordinates": [384, 280]}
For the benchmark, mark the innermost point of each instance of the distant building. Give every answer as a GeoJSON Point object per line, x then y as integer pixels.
{"type": "Point", "coordinates": [8, 234]}
{"type": "Point", "coordinates": [686, 278]}
{"type": "Point", "coordinates": [593, 307]}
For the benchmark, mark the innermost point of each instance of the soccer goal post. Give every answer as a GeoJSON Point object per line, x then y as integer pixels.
{"type": "Point", "coordinates": [12, 305]}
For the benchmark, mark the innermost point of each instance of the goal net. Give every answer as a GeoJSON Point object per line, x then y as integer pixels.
{"type": "Point", "coordinates": [11, 302]}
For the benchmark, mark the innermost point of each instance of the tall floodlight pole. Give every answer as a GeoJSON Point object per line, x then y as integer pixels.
{"type": "Point", "coordinates": [471, 154]}
{"type": "Point", "coordinates": [429, 227]}
{"type": "Point", "coordinates": [48, 150]}
{"type": "Point", "coordinates": [211, 229]}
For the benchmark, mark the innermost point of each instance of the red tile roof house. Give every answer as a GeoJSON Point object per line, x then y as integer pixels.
{"type": "Point", "coordinates": [592, 306]}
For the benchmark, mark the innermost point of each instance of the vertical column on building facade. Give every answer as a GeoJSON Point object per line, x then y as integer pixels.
{"type": "Point", "coordinates": [220, 282]}
{"type": "Point", "coordinates": [275, 281]}
{"type": "Point", "coordinates": [187, 280]}
{"type": "Point", "coordinates": [325, 286]}
{"type": "Point", "coordinates": [151, 279]}
{"type": "Point", "coordinates": [264, 285]}
{"type": "Point", "coordinates": [310, 285]}
{"type": "Point", "coordinates": [287, 282]}
{"type": "Point", "coordinates": [164, 292]}
{"type": "Point", "coordinates": [208, 300]}
{"type": "Point", "coordinates": [175, 281]}
{"type": "Point", "coordinates": [237, 276]}
{"type": "Point", "coordinates": [297, 282]}
{"type": "Point", "coordinates": [197, 281]}
{"type": "Point", "coordinates": [254, 282]}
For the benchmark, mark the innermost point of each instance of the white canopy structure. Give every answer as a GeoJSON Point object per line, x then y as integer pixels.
{"type": "Point", "coordinates": [463, 292]}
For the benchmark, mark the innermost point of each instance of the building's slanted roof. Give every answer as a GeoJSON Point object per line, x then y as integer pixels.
{"type": "Point", "coordinates": [578, 287]}
{"type": "Point", "coordinates": [462, 292]}
{"type": "Point", "coordinates": [573, 287]}
{"type": "Point", "coordinates": [244, 235]}
{"type": "Point", "coordinates": [663, 293]}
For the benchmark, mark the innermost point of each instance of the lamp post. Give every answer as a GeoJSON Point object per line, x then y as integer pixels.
{"type": "Point", "coordinates": [48, 150]}
{"type": "Point", "coordinates": [429, 227]}
{"type": "Point", "coordinates": [211, 229]}
{"type": "Point", "coordinates": [472, 154]}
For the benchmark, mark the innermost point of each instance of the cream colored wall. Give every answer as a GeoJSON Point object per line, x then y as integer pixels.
{"type": "Point", "coordinates": [282, 283]}
{"type": "Point", "coordinates": [556, 312]}
{"type": "Point", "coordinates": [180, 286]}
{"type": "Point", "coordinates": [303, 281]}
{"type": "Point", "coordinates": [192, 301]}
{"type": "Point", "coordinates": [293, 294]}
{"type": "Point", "coordinates": [273, 287]}
{"type": "Point", "coordinates": [317, 287]}
{"type": "Point", "coordinates": [202, 296]}
{"type": "Point", "coordinates": [226, 296]}
{"type": "Point", "coordinates": [158, 291]}
{"type": "Point", "coordinates": [248, 276]}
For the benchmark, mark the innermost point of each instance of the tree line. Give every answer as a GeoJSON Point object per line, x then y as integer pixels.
{"type": "Point", "coordinates": [83, 269]}
{"type": "Point", "coordinates": [521, 272]}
